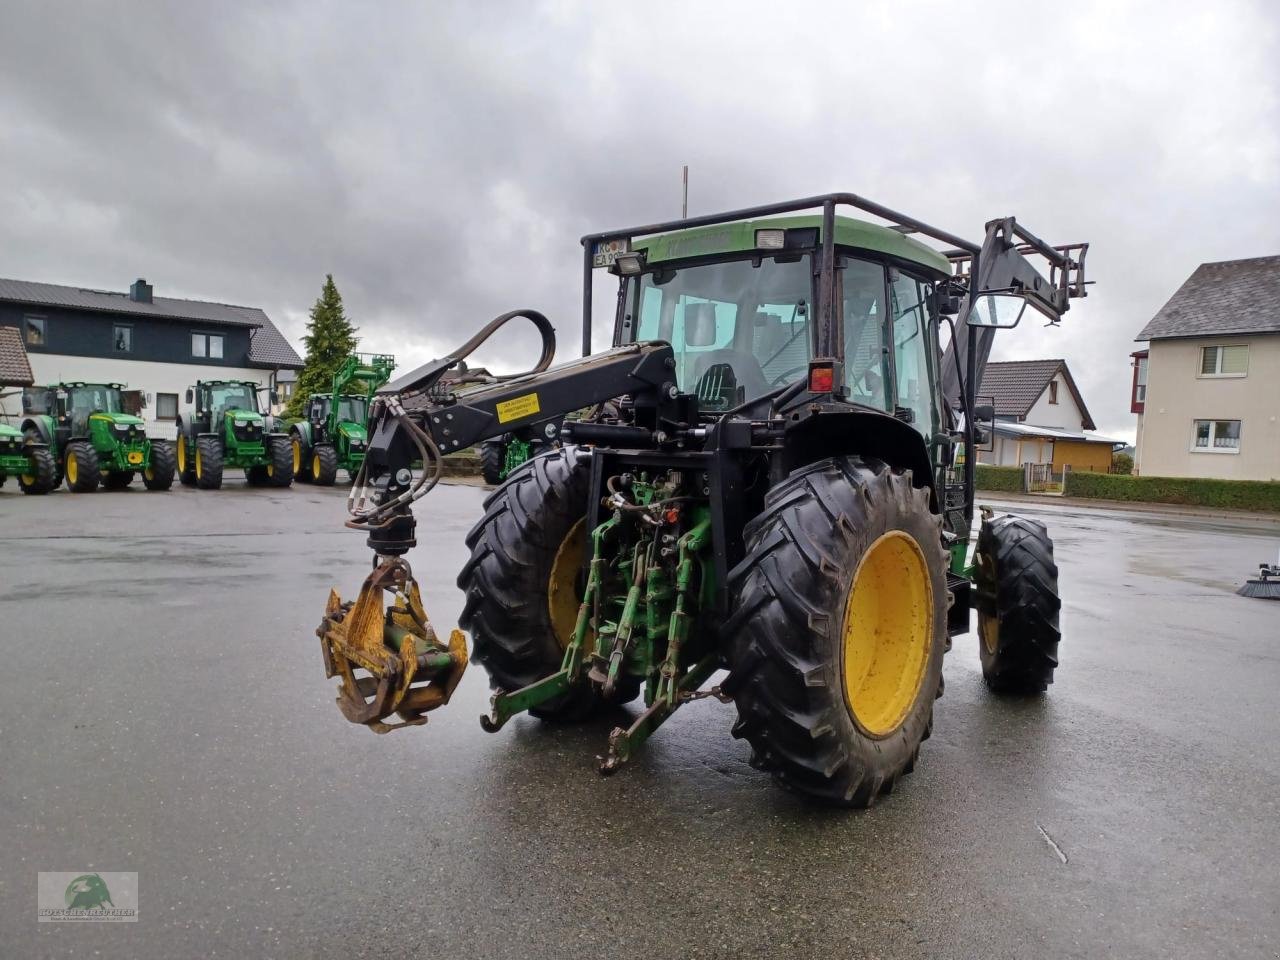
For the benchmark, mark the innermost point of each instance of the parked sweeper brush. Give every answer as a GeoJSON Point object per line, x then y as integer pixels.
{"type": "Point", "coordinates": [777, 490]}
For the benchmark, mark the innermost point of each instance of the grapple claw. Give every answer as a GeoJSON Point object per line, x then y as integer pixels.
{"type": "Point", "coordinates": [402, 666]}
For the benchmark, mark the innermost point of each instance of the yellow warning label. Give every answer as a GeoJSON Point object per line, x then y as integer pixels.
{"type": "Point", "coordinates": [518, 408]}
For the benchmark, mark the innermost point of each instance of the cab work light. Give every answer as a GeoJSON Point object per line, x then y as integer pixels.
{"type": "Point", "coordinates": [770, 239]}
{"type": "Point", "coordinates": [629, 264]}
{"type": "Point", "coordinates": [822, 376]}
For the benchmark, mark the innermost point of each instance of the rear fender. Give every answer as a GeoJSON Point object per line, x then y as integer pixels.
{"type": "Point", "coordinates": [862, 433]}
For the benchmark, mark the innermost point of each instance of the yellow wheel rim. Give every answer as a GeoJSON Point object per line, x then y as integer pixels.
{"type": "Point", "coordinates": [271, 469]}
{"type": "Point", "coordinates": [297, 455]}
{"type": "Point", "coordinates": [563, 596]}
{"type": "Point", "coordinates": [315, 466]}
{"type": "Point", "coordinates": [182, 455]}
{"type": "Point", "coordinates": [73, 469]}
{"type": "Point", "coordinates": [988, 626]}
{"type": "Point", "coordinates": [888, 633]}
{"type": "Point", "coordinates": [199, 463]}
{"type": "Point", "coordinates": [28, 478]}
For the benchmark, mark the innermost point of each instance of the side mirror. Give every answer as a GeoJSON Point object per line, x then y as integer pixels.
{"type": "Point", "coordinates": [997, 310]}
{"type": "Point", "coordinates": [275, 397]}
{"type": "Point", "coordinates": [699, 324]}
{"type": "Point", "coordinates": [191, 396]}
{"type": "Point", "coordinates": [984, 413]}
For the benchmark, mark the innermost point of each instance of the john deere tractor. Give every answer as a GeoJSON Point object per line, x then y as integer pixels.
{"type": "Point", "coordinates": [224, 428]}
{"type": "Point", "coordinates": [93, 440]}
{"type": "Point", "coordinates": [29, 460]}
{"type": "Point", "coordinates": [334, 432]}
{"type": "Point", "coordinates": [777, 494]}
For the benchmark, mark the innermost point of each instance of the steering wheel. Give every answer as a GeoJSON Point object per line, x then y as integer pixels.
{"type": "Point", "coordinates": [784, 377]}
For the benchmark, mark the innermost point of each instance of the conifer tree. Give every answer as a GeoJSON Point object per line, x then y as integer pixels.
{"type": "Point", "coordinates": [330, 338]}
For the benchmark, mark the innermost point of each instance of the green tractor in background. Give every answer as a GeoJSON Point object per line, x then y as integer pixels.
{"type": "Point", "coordinates": [334, 433]}
{"type": "Point", "coordinates": [29, 460]}
{"type": "Point", "coordinates": [225, 428]}
{"type": "Point", "coordinates": [93, 439]}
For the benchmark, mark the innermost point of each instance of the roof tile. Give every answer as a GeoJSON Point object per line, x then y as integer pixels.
{"type": "Point", "coordinates": [15, 368]}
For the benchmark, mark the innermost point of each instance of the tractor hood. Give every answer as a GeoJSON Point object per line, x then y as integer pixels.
{"type": "Point", "coordinates": [352, 430]}
{"type": "Point", "coordinates": [120, 419]}
{"type": "Point", "coordinates": [243, 416]}
{"type": "Point", "coordinates": [8, 431]}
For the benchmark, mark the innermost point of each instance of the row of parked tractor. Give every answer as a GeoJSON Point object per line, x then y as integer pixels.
{"type": "Point", "coordinates": [80, 434]}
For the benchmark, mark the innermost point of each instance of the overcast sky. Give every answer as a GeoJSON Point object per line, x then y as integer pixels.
{"type": "Point", "coordinates": [442, 160]}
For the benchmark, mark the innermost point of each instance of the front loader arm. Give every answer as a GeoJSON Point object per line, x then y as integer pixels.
{"type": "Point", "coordinates": [390, 660]}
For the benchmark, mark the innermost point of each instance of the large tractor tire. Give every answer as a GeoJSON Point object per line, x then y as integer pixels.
{"type": "Point", "coordinates": [43, 475]}
{"type": "Point", "coordinates": [838, 629]}
{"type": "Point", "coordinates": [324, 465]}
{"type": "Point", "coordinates": [185, 462]}
{"type": "Point", "coordinates": [208, 465]}
{"type": "Point", "coordinates": [1016, 583]}
{"type": "Point", "coordinates": [280, 469]}
{"type": "Point", "coordinates": [523, 582]}
{"type": "Point", "coordinates": [493, 460]}
{"type": "Point", "coordinates": [159, 474]}
{"type": "Point", "coordinates": [300, 454]}
{"type": "Point", "coordinates": [83, 473]}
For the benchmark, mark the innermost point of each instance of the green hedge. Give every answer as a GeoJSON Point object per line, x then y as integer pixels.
{"type": "Point", "coordinates": [1008, 479]}
{"type": "Point", "coordinates": [1193, 491]}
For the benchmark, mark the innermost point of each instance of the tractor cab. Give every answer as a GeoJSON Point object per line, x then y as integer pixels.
{"type": "Point", "coordinates": [220, 396]}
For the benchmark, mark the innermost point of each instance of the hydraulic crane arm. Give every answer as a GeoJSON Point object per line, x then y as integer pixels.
{"type": "Point", "coordinates": [390, 660]}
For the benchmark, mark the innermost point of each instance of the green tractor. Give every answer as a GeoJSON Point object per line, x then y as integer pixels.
{"type": "Point", "coordinates": [93, 440]}
{"type": "Point", "coordinates": [778, 493]}
{"type": "Point", "coordinates": [225, 428]}
{"type": "Point", "coordinates": [31, 461]}
{"type": "Point", "coordinates": [334, 433]}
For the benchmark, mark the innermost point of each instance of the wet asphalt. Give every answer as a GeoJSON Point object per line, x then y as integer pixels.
{"type": "Point", "coordinates": [163, 710]}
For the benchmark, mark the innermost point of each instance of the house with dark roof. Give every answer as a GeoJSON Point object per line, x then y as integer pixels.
{"type": "Point", "coordinates": [1206, 390]}
{"type": "Point", "coordinates": [1041, 418]}
{"type": "Point", "coordinates": [156, 346]}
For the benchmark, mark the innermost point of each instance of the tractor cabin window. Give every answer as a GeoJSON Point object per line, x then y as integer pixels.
{"type": "Point", "coordinates": [1224, 361]}
{"type": "Point", "coordinates": [912, 397]}
{"type": "Point", "coordinates": [738, 328]}
{"type": "Point", "coordinates": [206, 345]}
{"type": "Point", "coordinates": [865, 370]}
{"type": "Point", "coordinates": [1216, 436]}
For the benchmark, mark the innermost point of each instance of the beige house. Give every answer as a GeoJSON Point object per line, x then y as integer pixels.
{"type": "Point", "coordinates": [1207, 388]}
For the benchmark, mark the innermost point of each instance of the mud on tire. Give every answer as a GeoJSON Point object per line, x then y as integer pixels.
{"type": "Point", "coordinates": [1016, 593]}
{"type": "Point", "coordinates": [786, 635]}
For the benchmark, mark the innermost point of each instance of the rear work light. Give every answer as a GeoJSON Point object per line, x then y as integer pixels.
{"type": "Point", "coordinates": [822, 377]}
{"type": "Point", "coordinates": [771, 239]}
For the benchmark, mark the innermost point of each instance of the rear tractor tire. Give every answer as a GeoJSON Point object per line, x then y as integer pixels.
{"type": "Point", "coordinates": [159, 474]}
{"type": "Point", "coordinates": [1016, 586]}
{"type": "Point", "coordinates": [43, 475]}
{"type": "Point", "coordinates": [280, 469]}
{"type": "Point", "coordinates": [838, 629]}
{"type": "Point", "coordinates": [493, 460]}
{"type": "Point", "coordinates": [208, 465]}
{"type": "Point", "coordinates": [522, 583]}
{"type": "Point", "coordinates": [300, 454]}
{"type": "Point", "coordinates": [323, 467]}
{"type": "Point", "coordinates": [82, 467]}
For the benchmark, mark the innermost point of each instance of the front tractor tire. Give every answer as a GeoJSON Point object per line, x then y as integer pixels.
{"type": "Point", "coordinates": [208, 463]}
{"type": "Point", "coordinates": [280, 455]}
{"type": "Point", "coordinates": [185, 461]}
{"type": "Point", "coordinates": [83, 474]}
{"type": "Point", "coordinates": [323, 466]}
{"type": "Point", "coordinates": [493, 460]}
{"type": "Point", "coordinates": [300, 455]}
{"type": "Point", "coordinates": [42, 472]}
{"type": "Point", "coordinates": [838, 629]}
{"type": "Point", "coordinates": [1016, 583]}
{"type": "Point", "coordinates": [522, 582]}
{"type": "Point", "coordinates": [158, 475]}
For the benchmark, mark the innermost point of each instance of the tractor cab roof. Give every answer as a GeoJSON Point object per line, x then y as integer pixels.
{"type": "Point", "coordinates": [219, 383]}
{"type": "Point", "coordinates": [69, 384]}
{"type": "Point", "coordinates": [803, 232]}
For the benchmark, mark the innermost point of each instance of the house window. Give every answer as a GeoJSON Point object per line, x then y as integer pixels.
{"type": "Point", "coordinates": [122, 339]}
{"type": "Point", "coordinates": [1216, 436]}
{"type": "Point", "coordinates": [1140, 388]}
{"type": "Point", "coordinates": [1224, 361]}
{"type": "Point", "coordinates": [206, 345]}
{"type": "Point", "coordinates": [35, 330]}
{"type": "Point", "coordinates": [166, 406]}
{"type": "Point", "coordinates": [1053, 391]}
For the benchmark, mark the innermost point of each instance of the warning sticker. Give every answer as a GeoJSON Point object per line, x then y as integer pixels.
{"type": "Point", "coordinates": [518, 408]}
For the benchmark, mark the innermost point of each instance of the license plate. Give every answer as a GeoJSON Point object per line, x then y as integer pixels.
{"type": "Point", "coordinates": [606, 251]}
{"type": "Point", "coordinates": [135, 457]}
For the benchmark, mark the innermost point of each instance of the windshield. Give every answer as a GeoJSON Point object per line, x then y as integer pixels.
{"type": "Point", "coordinates": [91, 398]}
{"type": "Point", "coordinates": [738, 328]}
{"type": "Point", "coordinates": [352, 409]}
{"type": "Point", "coordinates": [232, 396]}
